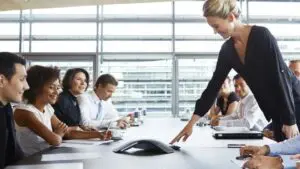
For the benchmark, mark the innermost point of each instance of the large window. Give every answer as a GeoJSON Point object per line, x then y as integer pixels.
{"type": "Point", "coordinates": [194, 75]}
{"type": "Point", "coordinates": [12, 46]}
{"type": "Point", "coordinates": [145, 84]}
{"type": "Point", "coordinates": [9, 29]}
{"type": "Point", "coordinates": [137, 29]}
{"type": "Point", "coordinates": [63, 46]}
{"type": "Point", "coordinates": [160, 69]}
{"type": "Point", "coordinates": [68, 29]}
{"type": "Point", "coordinates": [70, 10]}
{"type": "Point", "coordinates": [140, 9]}
{"type": "Point", "coordinates": [282, 24]}
{"type": "Point", "coordinates": [61, 61]}
{"type": "Point", "coordinates": [136, 46]}
{"type": "Point", "coordinates": [274, 9]}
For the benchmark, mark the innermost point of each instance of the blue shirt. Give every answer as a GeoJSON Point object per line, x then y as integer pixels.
{"type": "Point", "coordinates": [285, 149]}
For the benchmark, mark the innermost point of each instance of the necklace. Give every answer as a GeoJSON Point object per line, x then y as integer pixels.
{"type": "Point", "coordinates": [41, 115]}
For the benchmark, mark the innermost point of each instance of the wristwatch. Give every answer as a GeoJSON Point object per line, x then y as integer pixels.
{"type": "Point", "coordinates": [267, 149]}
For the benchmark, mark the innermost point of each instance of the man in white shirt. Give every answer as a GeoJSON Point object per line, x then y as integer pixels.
{"type": "Point", "coordinates": [96, 107]}
{"type": "Point", "coordinates": [248, 113]}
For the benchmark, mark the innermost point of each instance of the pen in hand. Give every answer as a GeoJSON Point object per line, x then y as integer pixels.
{"type": "Point", "coordinates": [107, 131]}
{"type": "Point", "coordinates": [243, 157]}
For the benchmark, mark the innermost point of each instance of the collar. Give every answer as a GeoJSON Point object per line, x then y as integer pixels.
{"type": "Point", "coordinates": [95, 98]}
{"type": "Point", "coordinates": [70, 94]}
{"type": "Point", "coordinates": [244, 100]}
{"type": "Point", "coordinates": [2, 105]}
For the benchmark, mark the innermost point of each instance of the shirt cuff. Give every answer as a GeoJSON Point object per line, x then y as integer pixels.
{"type": "Point", "coordinates": [222, 123]}
{"type": "Point", "coordinates": [275, 149]}
{"type": "Point", "coordinates": [287, 162]}
{"type": "Point", "coordinates": [227, 123]}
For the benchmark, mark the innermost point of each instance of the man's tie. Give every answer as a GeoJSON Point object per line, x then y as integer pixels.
{"type": "Point", "coordinates": [242, 109]}
{"type": "Point", "coordinates": [100, 109]}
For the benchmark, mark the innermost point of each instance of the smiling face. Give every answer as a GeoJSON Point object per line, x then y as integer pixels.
{"type": "Point", "coordinates": [241, 87]}
{"type": "Point", "coordinates": [12, 90]}
{"type": "Point", "coordinates": [78, 84]}
{"type": "Point", "coordinates": [50, 92]}
{"type": "Point", "coordinates": [224, 27]}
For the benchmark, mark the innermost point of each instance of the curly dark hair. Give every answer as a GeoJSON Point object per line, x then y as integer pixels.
{"type": "Point", "coordinates": [69, 76]}
{"type": "Point", "coordinates": [37, 77]}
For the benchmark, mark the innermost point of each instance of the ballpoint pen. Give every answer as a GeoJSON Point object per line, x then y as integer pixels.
{"type": "Point", "coordinates": [109, 124]}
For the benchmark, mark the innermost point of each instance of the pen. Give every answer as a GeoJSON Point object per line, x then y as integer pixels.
{"type": "Point", "coordinates": [242, 157]}
{"type": "Point", "coordinates": [107, 129]}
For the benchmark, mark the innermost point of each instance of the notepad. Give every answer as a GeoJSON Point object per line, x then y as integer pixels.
{"type": "Point", "coordinates": [48, 166]}
{"type": "Point", "coordinates": [82, 143]}
{"type": "Point", "coordinates": [69, 156]}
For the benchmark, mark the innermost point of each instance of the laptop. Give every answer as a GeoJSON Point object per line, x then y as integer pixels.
{"type": "Point", "coordinates": [238, 135]}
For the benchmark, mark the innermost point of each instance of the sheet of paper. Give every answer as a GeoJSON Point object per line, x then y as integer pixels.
{"type": "Point", "coordinates": [239, 163]}
{"type": "Point", "coordinates": [48, 166]}
{"type": "Point", "coordinates": [231, 129]}
{"type": "Point", "coordinates": [69, 156]}
{"type": "Point", "coordinates": [82, 143]}
{"type": "Point", "coordinates": [76, 145]}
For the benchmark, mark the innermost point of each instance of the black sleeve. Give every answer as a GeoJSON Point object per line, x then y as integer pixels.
{"type": "Point", "coordinates": [296, 88]}
{"type": "Point", "coordinates": [232, 98]}
{"type": "Point", "coordinates": [218, 103]}
{"type": "Point", "coordinates": [210, 93]}
{"type": "Point", "coordinates": [287, 108]}
{"type": "Point", "coordinates": [59, 108]}
{"type": "Point", "coordinates": [3, 136]}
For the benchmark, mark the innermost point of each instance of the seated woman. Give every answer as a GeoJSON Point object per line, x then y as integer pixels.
{"type": "Point", "coordinates": [227, 101]}
{"type": "Point", "coordinates": [37, 126]}
{"type": "Point", "coordinates": [66, 108]}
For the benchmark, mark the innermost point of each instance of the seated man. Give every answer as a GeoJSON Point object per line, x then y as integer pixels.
{"type": "Point", "coordinates": [12, 86]}
{"type": "Point", "coordinates": [96, 107]}
{"type": "Point", "coordinates": [248, 113]}
{"type": "Point", "coordinates": [295, 67]}
{"type": "Point", "coordinates": [275, 156]}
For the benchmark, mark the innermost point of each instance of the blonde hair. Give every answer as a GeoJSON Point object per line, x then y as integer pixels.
{"type": "Point", "coordinates": [220, 8]}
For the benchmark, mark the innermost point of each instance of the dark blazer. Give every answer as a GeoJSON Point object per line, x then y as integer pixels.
{"type": "Point", "coordinates": [67, 109]}
{"type": "Point", "coordinates": [10, 150]}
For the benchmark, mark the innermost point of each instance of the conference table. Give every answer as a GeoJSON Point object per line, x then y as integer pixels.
{"type": "Point", "coordinates": [200, 151]}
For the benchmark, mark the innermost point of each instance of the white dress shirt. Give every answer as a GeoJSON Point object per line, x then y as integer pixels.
{"type": "Point", "coordinates": [248, 115]}
{"type": "Point", "coordinates": [95, 115]}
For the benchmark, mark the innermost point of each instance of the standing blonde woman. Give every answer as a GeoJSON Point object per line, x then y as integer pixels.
{"type": "Point", "coordinates": [252, 51]}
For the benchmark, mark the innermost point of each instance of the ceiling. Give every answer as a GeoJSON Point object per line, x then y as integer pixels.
{"type": "Point", "coordinates": [34, 4]}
